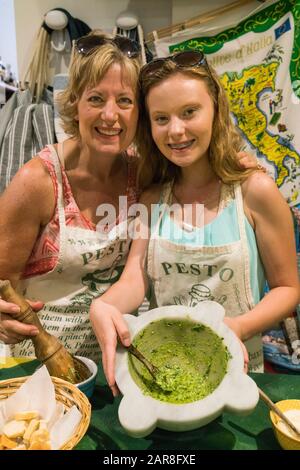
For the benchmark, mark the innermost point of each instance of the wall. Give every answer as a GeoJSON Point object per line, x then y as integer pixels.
{"type": "Point", "coordinates": [184, 10]}
{"type": "Point", "coordinates": [153, 14]}
{"type": "Point", "coordinates": [8, 35]}
{"type": "Point", "coordinates": [96, 13]}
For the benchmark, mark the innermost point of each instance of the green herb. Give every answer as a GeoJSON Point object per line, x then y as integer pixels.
{"type": "Point", "coordinates": [191, 358]}
{"type": "Point", "coordinates": [199, 327]}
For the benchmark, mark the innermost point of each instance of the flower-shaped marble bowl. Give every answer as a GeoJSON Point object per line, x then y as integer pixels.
{"type": "Point", "coordinates": [139, 414]}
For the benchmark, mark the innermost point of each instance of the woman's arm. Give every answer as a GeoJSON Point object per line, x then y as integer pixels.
{"type": "Point", "coordinates": [125, 296]}
{"type": "Point", "coordinates": [26, 205]}
{"type": "Point", "coordinates": [270, 216]}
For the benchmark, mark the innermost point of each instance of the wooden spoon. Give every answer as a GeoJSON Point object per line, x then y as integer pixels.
{"type": "Point", "coordinates": [158, 373]}
{"type": "Point", "coordinates": [279, 413]}
{"type": "Point", "coordinates": [151, 367]}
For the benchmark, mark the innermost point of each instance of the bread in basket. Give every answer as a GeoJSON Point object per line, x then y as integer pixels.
{"type": "Point", "coordinates": [66, 393]}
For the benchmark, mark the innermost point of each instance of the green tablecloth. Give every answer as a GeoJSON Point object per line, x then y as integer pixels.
{"type": "Point", "coordinates": [229, 431]}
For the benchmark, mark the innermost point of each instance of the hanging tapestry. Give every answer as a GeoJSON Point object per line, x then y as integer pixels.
{"type": "Point", "coordinates": [258, 62]}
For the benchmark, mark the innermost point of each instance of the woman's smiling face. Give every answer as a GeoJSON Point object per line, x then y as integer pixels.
{"type": "Point", "coordinates": [181, 114]}
{"type": "Point", "coordinates": [108, 113]}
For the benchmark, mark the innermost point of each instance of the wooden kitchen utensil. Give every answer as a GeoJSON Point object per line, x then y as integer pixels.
{"type": "Point", "coordinates": [163, 376]}
{"type": "Point", "coordinates": [278, 412]}
{"type": "Point", "coordinates": [135, 352]}
{"type": "Point", "coordinates": [48, 349]}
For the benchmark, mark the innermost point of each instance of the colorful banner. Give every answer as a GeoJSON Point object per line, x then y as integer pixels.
{"type": "Point", "coordinates": [259, 65]}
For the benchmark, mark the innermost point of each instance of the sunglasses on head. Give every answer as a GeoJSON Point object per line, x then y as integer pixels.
{"type": "Point", "coordinates": [87, 44]}
{"type": "Point", "coordinates": [181, 59]}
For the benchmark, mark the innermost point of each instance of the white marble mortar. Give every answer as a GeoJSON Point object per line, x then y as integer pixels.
{"type": "Point", "coordinates": [139, 414]}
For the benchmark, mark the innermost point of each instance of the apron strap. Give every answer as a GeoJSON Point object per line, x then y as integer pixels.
{"type": "Point", "coordinates": [165, 197]}
{"type": "Point", "coordinates": [60, 153]}
{"type": "Point", "coordinates": [60, 206]}
{"type": "Point", "coordinates": [244, 242]}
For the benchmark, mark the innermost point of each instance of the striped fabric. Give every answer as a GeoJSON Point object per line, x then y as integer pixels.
{"type": "Point", "coordinates": [25, 129]}
{"type": "Point", "coordinates": [144, 307]}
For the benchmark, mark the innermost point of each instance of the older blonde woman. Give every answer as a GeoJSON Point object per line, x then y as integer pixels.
{"type": "Point", "coordinates": [49, 244]}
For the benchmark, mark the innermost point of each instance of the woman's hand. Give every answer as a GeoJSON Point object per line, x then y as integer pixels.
{"type": "Point", "coordinates": [11, 330]}
{"type": "Point", "coordinates": [234, 325]}
{"type": "Point", "coordinates": [109, 325]}
{"type": "Point", "coordinates": [249, 161]}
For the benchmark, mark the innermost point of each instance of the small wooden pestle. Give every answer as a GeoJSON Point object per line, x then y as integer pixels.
{"type": "Point", "coordinates": [158, 373]}
{"type": "Point", "coordinates": [48, 349]}
{"type": "Point", "coordinates": [151, 367]}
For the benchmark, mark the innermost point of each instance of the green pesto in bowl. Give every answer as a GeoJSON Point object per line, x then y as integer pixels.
{"type": "Point", "coordinates": [191, 358]}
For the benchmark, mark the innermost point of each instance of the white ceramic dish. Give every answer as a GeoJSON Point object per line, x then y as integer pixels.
{"type": "Point", "coordinates": [139, 414]}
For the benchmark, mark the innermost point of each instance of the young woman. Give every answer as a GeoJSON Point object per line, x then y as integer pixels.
{"type": "Point", "coordinates": [188, 147]}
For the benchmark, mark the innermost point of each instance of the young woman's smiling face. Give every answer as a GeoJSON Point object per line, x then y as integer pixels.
{"type": "Point", "coordinates": [181, 114]}
{"type": "Point", "coordinates": [107, 114]}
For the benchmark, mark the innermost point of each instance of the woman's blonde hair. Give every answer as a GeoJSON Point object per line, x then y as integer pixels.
{"type": "Point", "coordinates": [85, 72]}
{"type": "Point", "coordinates": [225, 143]}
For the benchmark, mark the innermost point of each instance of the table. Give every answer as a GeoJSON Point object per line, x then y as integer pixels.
{"type": "Point", "coordinates": [228, 432]}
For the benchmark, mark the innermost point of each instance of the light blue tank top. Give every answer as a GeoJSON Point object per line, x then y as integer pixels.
{"type": "Point", "coordinates": [222, 230]}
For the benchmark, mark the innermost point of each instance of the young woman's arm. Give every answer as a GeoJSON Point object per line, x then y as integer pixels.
{"type": "Point", "coordinates": [270, 216]}
{"type": "Point", "coordinates": [125, 296]}
{"type": "Point", "coordinates": [26, 205]}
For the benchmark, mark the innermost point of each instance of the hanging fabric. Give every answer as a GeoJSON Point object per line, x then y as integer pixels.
{"type": "Point", "coordinates": [76, 28]}
{"type": "Point", "coordinates": [25, 128]}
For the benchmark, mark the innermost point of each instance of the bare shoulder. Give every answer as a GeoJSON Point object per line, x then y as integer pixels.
{"type": "Point", "coordinates": [31, 187]}
{"type": "Point", "coordinates": [260, 192]}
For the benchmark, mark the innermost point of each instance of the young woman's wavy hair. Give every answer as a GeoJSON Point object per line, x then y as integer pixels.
{"type": "Point", "coordinates": [225, 143]}
{"type": "Point", "coordinates": [85, 72]}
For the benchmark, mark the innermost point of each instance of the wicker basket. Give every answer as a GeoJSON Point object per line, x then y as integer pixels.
{"type": "Point", "coordinates": [65, 393]}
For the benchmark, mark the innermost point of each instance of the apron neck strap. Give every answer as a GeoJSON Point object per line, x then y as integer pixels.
{"type": "Point", "coordinates": [60, 153]}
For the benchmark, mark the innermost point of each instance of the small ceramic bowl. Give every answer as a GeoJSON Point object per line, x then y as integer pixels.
{"type": "Point", "coordinates": [285, 440]}
{"type": "Point", "coordinates": [139, 414]}
{"type": "Point", "coordinates": [88, 385]}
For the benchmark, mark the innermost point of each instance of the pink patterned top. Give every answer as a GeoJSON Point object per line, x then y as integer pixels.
{"type": "Point", "coordinates": [44, 255]}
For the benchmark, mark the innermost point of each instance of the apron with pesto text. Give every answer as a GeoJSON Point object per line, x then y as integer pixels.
{"type": "Point", "coordinates": [188, 274]}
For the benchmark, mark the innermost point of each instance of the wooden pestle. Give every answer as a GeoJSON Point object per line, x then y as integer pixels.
{"type": "Point", "coordinates": [48, 349]}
